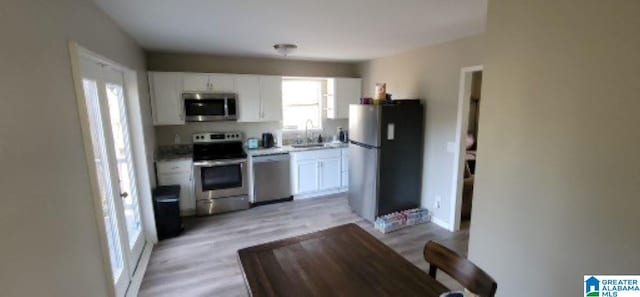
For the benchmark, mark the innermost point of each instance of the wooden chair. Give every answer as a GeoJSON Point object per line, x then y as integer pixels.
{"type": "Point", "coordinates": [459, 268]}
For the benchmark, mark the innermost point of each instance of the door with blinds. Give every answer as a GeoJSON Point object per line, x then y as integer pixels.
{"type": "Point", "coordinates": [108, 121]}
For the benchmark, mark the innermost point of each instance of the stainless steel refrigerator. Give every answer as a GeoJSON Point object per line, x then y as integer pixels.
{"type": "Point", "coordinates": [385, 158]}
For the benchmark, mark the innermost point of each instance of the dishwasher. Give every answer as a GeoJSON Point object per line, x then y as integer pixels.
{"type": "Point", "coordinates": [271, 178]}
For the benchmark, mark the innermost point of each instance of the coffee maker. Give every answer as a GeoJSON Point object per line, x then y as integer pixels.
{"type": "Point", "coordinates": [267, 140]}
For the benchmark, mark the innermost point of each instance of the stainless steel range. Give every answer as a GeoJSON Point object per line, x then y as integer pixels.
{"type": "Point", "coordinates": [220, 173]}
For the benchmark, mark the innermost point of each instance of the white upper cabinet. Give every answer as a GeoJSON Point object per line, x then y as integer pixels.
{"type": "Point", "coordinates": [203, 82]}
{"type": "Point", "coordinates": [166, 102]}
{"type": "Point", "coordinates": [223, 83]}
{"type": "Point", "coordinates": [271, 98]}
{"type": "Point", "coordinates": [248, 90]}
{"type": "Point", "coordinates": [259, 98]}
{"type": "Point", "coordinates": [196, 82]}
{"type": "Point", "coordinates": [341, 93]}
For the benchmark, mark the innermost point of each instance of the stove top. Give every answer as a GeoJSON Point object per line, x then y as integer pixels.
{"type": "Point", "coordinates": [218, 146]}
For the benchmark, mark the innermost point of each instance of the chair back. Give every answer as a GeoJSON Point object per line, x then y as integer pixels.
{"type": "Point", "coordinates": [459, 268]}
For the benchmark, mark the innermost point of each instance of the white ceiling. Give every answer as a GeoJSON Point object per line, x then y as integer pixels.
{"type": "Point", "coordinates": [339, 30]}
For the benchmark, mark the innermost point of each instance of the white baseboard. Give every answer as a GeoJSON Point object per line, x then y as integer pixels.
{"type": "Point", "coordinates": [136, 280]}
{"type": "Point", "coordinates": [318, 194]}
{"type": "Point", "coordinates": [441, 223]}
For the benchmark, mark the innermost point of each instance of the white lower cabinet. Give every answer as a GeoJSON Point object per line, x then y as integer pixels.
{"type": "Point", "coordinates": [316, 173]}
{"type": "Point", "coordinates": [330, 177]}
{"type": "Point", "coordinates": [179, 172]}
{"type": "Point", "coordinates": [345, 168]}
{"type": "Point", "coordinates": [306, 174]}
{"type": "Point", "coordinates": [345, 179]}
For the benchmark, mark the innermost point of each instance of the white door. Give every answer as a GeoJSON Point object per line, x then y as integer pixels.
{"type": "Point", "coordinates": [109, 124]}
{"type": "Point", "coordinates": [330, 174]}
{"type": "Point", "coordinates": [248, 89]}
{"type": "Point", "coordinates": [271, 98]}
{"type": "Point", "coordinates": [306, 176]}
{"type": "Point", "coordinates": [196, 82]}
{"type": "Point", "coordinates": [166, 89]}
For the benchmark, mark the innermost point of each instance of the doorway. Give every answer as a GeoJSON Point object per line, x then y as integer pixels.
{"type": "Point", "coordinates": [467, 141]}
{"type": "Point", "coordinates": [103, 91]}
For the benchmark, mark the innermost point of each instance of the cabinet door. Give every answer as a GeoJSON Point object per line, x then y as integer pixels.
{"type": "Point", "coordinates": [196, 82]}
{"type": "Point", "coordinates": [248, 89]}
{"type": "Point", "coordinates": [166, 89]}
{"type": "Point", "coordinates": [345, 159]}
{"type": "Point", "coordinates": [222, 83]}
{"type": "Point", "coordinates": [271, 98]}
{"type": "Point", "coordinates": [345, 179]}
{"type": "Point", "coordinates": [187, 199]}
{"type": "Point", "coordinates": [306, 176]}
{"type": "Point", "coordinates": [345, 91]}
{"type": "Point", "coordinates": [330, 174]}
{"type": "Point", "coordinates": [331, 99]}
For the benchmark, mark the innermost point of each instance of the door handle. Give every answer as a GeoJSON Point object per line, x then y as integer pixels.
{"type": "Point", "coordinates": [124, 195]}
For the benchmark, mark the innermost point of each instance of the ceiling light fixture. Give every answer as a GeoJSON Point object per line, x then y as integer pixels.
{"type": "Point", "coordinates": [285, 49]}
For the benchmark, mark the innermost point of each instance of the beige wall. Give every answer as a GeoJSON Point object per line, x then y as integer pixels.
{"type": "Point", "coordinates": [224, 64]}
{"type": "Point", "coordinates": [243, 65]}
{"type": "Point", "coordinates": [433, 75]}
{"type": "Point", "coordinates": [558, 180]}
{"type": "Point", "coordinates": [50, 244]}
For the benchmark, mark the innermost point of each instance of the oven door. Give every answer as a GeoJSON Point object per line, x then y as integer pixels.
{"type": "Point", "coordinates": [219, 179]}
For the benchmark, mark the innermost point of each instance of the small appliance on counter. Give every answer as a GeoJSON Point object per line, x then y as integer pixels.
{"type": "Point", "coordinates": [267, 140]}
{"type": "Point", "coordinates": [342, 135]}
{"type": "Point", "coordinates": [279, 138]}
{"type": "Point", "coordinates": [252, 143]}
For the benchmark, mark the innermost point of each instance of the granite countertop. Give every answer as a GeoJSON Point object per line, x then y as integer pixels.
{"type": "Point", "coordinates": [290, 149]}
{"type": "Point", "coordinates": [185, 151]}
{"type": "Point", "coordinates": [174, 152]}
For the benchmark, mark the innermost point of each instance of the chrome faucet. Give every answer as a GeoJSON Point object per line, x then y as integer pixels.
{"type": "Point", "coordinates": [306, 130]}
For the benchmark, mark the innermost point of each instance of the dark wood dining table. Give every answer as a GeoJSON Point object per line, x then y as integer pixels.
{"type": "Point", "coordinates": [341, 261]}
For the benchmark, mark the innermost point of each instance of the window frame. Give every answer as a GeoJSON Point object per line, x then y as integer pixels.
{"type": "Point", "coordinates": [321, 103]}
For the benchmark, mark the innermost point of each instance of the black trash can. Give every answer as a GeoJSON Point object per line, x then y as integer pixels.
{"type": "Point", "coordinates": [166, 205]}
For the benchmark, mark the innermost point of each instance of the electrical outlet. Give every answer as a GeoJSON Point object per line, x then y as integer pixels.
{"type": "Point", "coordinates": [438, 201]}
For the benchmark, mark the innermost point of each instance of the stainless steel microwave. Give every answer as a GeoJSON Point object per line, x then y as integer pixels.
{"type": "Point", "coordinates": [209, 107]}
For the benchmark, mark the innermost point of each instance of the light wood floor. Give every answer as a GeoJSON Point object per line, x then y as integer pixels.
{"type": "Point", "coordinates": [203, 260]}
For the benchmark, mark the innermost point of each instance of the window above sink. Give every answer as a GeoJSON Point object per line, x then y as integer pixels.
{"type": "Point", "coordinates": [302, 103]}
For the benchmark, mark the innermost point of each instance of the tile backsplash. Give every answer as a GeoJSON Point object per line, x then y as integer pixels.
{"type": "Point", "coordinates": [166, 135]}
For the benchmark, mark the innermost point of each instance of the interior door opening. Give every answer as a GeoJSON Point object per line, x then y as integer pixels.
{"type": "Point", "coordinates": [465, 158]}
